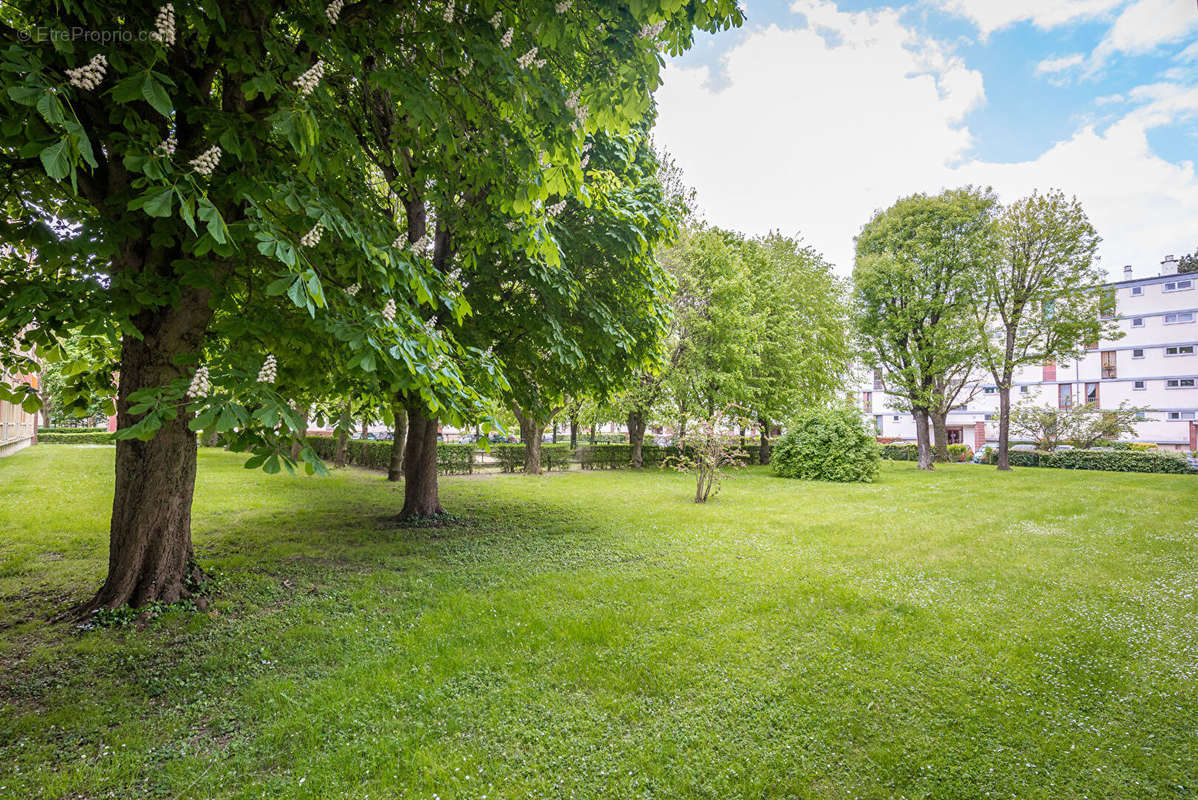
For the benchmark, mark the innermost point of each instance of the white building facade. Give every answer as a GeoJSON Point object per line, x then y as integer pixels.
{"type": "Point", "coordinates": [1154, 365]}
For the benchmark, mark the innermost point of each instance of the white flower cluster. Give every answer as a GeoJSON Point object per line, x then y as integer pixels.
{"type": "Point", "coordinates": [90, 74]}
{"type": "Point", "coordinates": [557, 208]}
{"type": "Point", "coordinates": [525, 60]}
{"type": "Point", "coordinates": [389, 311]}
{"type": "Point", "coordinates": [464, 70]}
{"type": "Point", "coordinates": [651, 31]}
{"type": "Point", "coordinates": [506, 39]}
{"type": "Point", "coordinates": [586, 160]}
{"type": "Point", "coordinates": [167, 146]}
{"type": "Point", "coordinates": [269, 371]}
{"type": "Point", "coordinates": [490, 351]}
{"type": "Point", "coordinates": [497, 20]}
{"type": "Point", "coordinates": [430, 326]}
{"type": "Point", "coordinates": [455, 280]}
{"type": "Point", "coordinates": [312, 237]}
{"type": "Point", "coordinates": [422, 244]}
{"type": "Point", "coordinates": [574, 103]}
{"type": "Point", "coordinates": [333, 11]}
{"type": "Point", "coordinates": [354, 289]}
{"type": "Point", "coordinates": [307, 82]}
{"type": "Point", "coordinates": [512, 225]}
{"type": "Point", "coordinates": [449, 12]}
{"type": "Point", "coordinates": [205, 163]}
{"type": "Point", "coordinates": [200, 386]}
{"type": "Point", "coordinates": [563, 6]}
{"type": "Point", "coordinates": [164, 26]}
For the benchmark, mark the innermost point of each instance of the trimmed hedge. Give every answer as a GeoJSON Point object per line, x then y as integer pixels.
{"type": "Point", "coordinates": [87, 437]}
{"type": "Point", "coordinates": [511, 456]}
{"type": "Point", "coordinates": [909, 451]}
{"type": "Point", "coordinates": [452, 459]}
{"type": "Point", "coordinates": [82, 429]}
{"type": "Point", "coordinates": [1104, 460]}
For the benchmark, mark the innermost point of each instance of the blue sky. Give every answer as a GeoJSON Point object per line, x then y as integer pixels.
{"type": "Point", "coordinates": [862, 102]}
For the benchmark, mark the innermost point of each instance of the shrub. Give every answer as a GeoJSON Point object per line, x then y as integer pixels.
{"type": "Point", "coordinates": [605, 456]}
{"type": "Point", "coordinates": [827, 444]}
{"type": "Point", "coordinates": [452, 459]}
{"type": "Point", "coordinates": [900, 451]}
{"type": "Point", "coordinates": [1116, 461]}
{"type": "Point", "coordinates": [960, 452]}
{"type": "Point", "coordinates": [87, 437]}
{"type": "Point", "coordinates": [83, 429]}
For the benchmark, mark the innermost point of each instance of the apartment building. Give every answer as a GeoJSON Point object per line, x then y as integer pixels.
{"type": "Point", "coordinates": [18, 428]}
{"type": "Point", "coordinates": [1154, 365]}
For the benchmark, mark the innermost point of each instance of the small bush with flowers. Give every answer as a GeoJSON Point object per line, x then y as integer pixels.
{"type": "Point", "coordinates": [709, 454]}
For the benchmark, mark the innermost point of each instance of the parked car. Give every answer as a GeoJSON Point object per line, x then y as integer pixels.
{"type": "Point", "coordinates": [663, 440]}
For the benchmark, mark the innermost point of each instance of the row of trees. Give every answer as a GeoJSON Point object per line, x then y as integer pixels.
{"type": "Point", "coordinates": [257, 205]}
{"type": "Point", "coordinates": [952, 285]}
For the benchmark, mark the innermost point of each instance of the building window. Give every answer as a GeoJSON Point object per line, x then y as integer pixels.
{"type": "Point", "coordinates": [1136, 291]}
{"type": "Point", "coordinates": [1138, 322]}
{"type": "Point", "coordinates": [1180, 350]}
{"type": "Point", "coordinates": [1137, 353]}
{"type": "Point", "coordinates": [1179, 383]}
{"type": "Point", "coordinates": [867, 401]}
{"type": "Point", "coordinates": [1024, 389]}
{"type": "Point", "coordinates": [877, 379]}
{"type": "Point", "coordinates": [896, 417]}
{"type": "Point", "coordinates": [878, 424]}
{"type": "Point", "coordinates": [1092, 393]}
{"type": "Point", "coordinates": [989, 389]}
{"type": "Point", "coordinates": [1179, 317]}
{"type": "Point", "coordinates": [1107, 307]}
{"type": "Point", "coordinates": [1108, 364]}
{"type": "Point", "coordinates": [1181, 415]}
{"type": "Point", "coordinates": [1065, 395]}
{"type": "Point", "coordinates": [1179, 286]}
{"type": "Point", "coordinates": [1050, 371]}
{"type": "Point", "coordinates": [1091, 345]}
{"type": "Point", "coordinates": [1139, 386]}
{"type": "Point", "coordinates": [1141, 415]}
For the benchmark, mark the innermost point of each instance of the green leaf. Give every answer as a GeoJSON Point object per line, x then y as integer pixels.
{"type": "Point", "coordinates": [158, 204]}
{"type": "Point", "coordinates": [55, 160]}
{"type": "Point", "coordinates": [154, 94]}
{"type": "Point", "coordinates": [25, 95]}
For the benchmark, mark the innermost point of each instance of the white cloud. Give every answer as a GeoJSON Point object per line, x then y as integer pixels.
{"type": "Point", "coordinates": [1145, 25]}
{"type": "Point", "coordinates": [819, 127]}
{"type": "Point", "coordinates": [1051, 66]}
{"type": "Point", "coordinates": [992, 15]}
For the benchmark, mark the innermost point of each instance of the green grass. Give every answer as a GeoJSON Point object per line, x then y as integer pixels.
{"type": "Point", "coordinates": [955, 635]}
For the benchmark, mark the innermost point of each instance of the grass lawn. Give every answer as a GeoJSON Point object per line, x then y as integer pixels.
{"type": "Point", "coordinates": [597, 635]}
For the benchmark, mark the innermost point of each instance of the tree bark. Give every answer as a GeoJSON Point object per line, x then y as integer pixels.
{"type": "Point", "coordinates": [530, 433]}
{"type": "Point", "coordinates": [395, 468]}
{"type": "Point", "coordinates": [940, 429]}
{"type": "Point", "coordinates": [1004, 426]}
{"type": "Point", "coordinates": [594, 428]}
{"type": "Point", "coordinates": [420, 466]}
{"type": "Point", "coordinates": [763, 456]}
{"type": "Point", "coordinates": [923, 439]}
{"type": "Point", "coordinates": [339, 455]}
{"type": "Point", "coordinates": [573, 433]}
{"type": "Point", "coordinates": [555, 433]}
{"type": "Point", "coordinates": [636, 438]}
{"type": "Point", "coordinates": [150, 557]}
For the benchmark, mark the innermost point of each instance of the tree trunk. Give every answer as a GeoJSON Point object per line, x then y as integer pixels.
{"type": "Point", "coordinates": [594, 428]}
{"type": "Point", "coordinates": [940, 429]}
{"type": "Point", "coordinates": [530, 433]}
{"type": "Point", "coordinates": [339, 455]}
{"type": "Point", "coordinates": [763, 456]}
{"type": "Point", "coordinates": [1004, 426]}
{"type": "Point", "coordinates": [395, 468]}
{"type": "Point", "coordinates": [420, 466]}
{"type": "Point", "coordinates": [555, 433]}
{"type": "Point", "coordinates": [636, 438]}
{"type": "Point", "coordinates": [923, 439]}
{"type": "Point", "coordinates": [150, 557]}
{"type": "Point", "coordinates": [365, 427]}
{"type": "Point", "coordinates": [573, 433]}
{"type": "Point", "coordinates": [297, 445]}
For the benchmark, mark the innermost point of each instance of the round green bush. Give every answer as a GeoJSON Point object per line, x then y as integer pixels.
{"type": "Point", "coordinates": [827, 444]}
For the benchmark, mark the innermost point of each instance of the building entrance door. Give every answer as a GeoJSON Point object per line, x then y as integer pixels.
{"type": "Point", "coordinates": [954, 436]}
